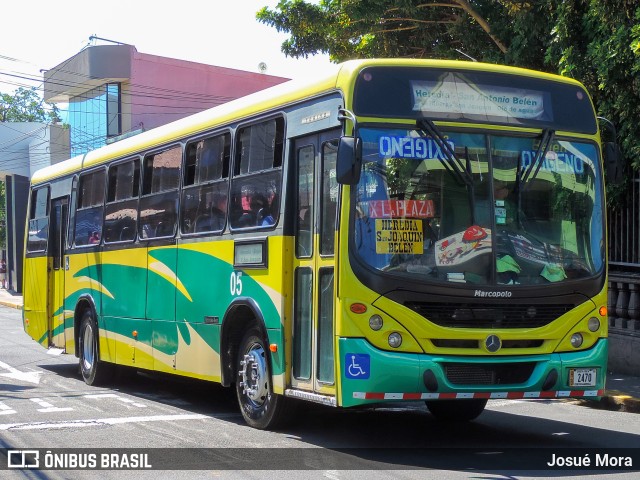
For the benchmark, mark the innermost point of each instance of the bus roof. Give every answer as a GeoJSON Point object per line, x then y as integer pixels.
{"type": "Point", "coordinates": [341, 78]}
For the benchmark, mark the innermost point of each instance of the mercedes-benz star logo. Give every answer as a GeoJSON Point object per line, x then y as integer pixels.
{"type": "Point", "coordinates": [492, 343]}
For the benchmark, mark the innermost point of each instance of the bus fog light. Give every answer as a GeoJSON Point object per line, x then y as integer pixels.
{"type": "Point", "coordinates": [395, 340]}
{"type": "Point", "coordinates": [375, 322]}
{"type": "Point", "coordinates": [594, 324]}
{"type": "Point", "coordinates": [576, 340]}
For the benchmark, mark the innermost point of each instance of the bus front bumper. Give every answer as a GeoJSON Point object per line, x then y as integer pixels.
{"type": "Point", "coordinates": [371, 375]}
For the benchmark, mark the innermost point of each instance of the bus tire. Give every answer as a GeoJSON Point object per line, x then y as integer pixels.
{"type": "Point", "coordinates": [94, 372]}
{"type": "Point", "coordinates": [463, 410]}
{"type": "Point", "coordinates": [260, 406]}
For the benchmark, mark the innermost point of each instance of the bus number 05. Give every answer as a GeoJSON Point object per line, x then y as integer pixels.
{"type": "Point", "coordinates": [236, 283]}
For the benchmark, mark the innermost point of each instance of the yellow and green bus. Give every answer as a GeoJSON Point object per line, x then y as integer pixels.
{"type": "Point", "coordinates": [397, 230]}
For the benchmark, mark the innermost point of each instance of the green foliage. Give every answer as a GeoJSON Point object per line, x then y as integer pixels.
{"type": "Point", "coordinates": [25, 105]}
{"type": "Point", "coordinates": [598, 43]}
{"type": "Point", "coordinates": [594, 41]}
{"type": "Point", "coordinates": [347, 29]}
{"type": "Point", "coordinates": [507, 31]}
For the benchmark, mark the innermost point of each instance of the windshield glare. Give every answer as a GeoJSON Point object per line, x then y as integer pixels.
{"type": "Point", "coordinates": [487, 214]}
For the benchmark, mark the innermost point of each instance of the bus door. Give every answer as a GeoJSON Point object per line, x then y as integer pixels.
{"type": "Point", "coordinates": [313, 365]}
{"type": "Point", "coordinates": [57, 240]}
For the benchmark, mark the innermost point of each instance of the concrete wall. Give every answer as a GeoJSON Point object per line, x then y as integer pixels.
{"type": "Point", "coordinates": [624, 354]}
{"type": "Point", "coordinates": [158, 88]}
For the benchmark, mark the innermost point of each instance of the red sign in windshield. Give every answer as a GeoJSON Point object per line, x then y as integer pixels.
{"type": "Point", "coordinates": [401, 209]}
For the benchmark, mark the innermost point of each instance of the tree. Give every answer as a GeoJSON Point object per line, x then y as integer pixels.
{"type": "Point", "coordinates": [598, 42]}
{"type": "Point", "coordinates": [25, 105]}
{"type": "Point", "coordinates": [594, 41]}
{"type": "Point", "coordinates": [345, 29]}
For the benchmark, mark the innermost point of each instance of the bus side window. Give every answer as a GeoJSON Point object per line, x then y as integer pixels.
{"type": "Point", "coordinates": [255, 187]}
{"type": "Point", "coordinates": [205, 185]}
{"type": "Point", "coordinates": [159, 200]}
{"type": "Point", "coordinates": [329, 197]}
{"type": "Point", "coordinates": [122, 202]}
{"type": "Point", "coordinates": [38, 220]}
{"type": "Point", "coordinates": [90, 209]}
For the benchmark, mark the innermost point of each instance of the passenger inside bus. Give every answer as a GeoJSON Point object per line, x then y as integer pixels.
{"type": "Point", "coordinates": [94, 237]}
{"type": "Point", "coordinates": [266, 215]}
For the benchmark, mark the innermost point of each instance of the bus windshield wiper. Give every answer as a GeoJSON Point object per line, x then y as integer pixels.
{"type": "Point", "coordinates": [451, 162]}
{"type": "Point", "coordinates": [523, 176]}
{"type": "Point", "coordinates": [536, 163]}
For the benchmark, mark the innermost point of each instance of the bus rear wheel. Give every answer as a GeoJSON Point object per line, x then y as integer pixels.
{"type": "Point", "coordinates": [260, 406]}
{"type": "Point", "coordinates": [463, 410]}
{"type": "Point", "coordinates": [94, 372]}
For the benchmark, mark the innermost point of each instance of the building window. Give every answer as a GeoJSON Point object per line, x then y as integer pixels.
{"type": "Point", "coordinates": [93, 117]}
{"type": "Point", "coordinates": [114, 124]}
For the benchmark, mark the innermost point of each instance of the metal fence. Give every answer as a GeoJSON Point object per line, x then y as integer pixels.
{"type": "Point", "coordinates": [624, 230]}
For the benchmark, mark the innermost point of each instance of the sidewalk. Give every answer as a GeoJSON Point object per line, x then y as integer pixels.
{"type": "Point", "coordinates": [622, 393]}
{"type": "Point", "coordinates": [10, 299]}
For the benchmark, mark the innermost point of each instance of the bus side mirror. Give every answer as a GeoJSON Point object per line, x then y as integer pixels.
{"type": "Point", "coordinates": [349, 160]}
{"type": "Point", "coordinates": [613, 162]}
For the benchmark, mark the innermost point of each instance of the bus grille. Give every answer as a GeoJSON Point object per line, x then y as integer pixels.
{"type": "Point", "coordinates": [473, 315]}
{"type": "Point", "coordinates": [488, 374]}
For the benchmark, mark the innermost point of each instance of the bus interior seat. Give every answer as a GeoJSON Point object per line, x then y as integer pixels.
{"type": "Point", "coordinates": [203, 223]}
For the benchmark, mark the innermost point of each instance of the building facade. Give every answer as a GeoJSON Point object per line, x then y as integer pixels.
{"type": "Point", "coordinates": [114, 91]}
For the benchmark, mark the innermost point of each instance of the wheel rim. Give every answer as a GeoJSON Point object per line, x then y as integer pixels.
{"type": "Point", "coordinates": [88, 348]}
{"type": "Point", "coordinates": [253, 370]}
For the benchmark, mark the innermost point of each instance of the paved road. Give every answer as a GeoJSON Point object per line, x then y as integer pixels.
{"type": "Point", "coordinates": [45, 405]}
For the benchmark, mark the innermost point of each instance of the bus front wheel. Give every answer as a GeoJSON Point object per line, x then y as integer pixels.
{"type": "Point", "coordinates": [94, 372]}
{"type": "Point", "coordinates": [463, 410]}
{"type": "Point", "coordinates": [260, 406]}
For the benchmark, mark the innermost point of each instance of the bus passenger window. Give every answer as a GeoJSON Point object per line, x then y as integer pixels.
{"type": "Point", "coordinates": [122, 202]}
{"type": "Point", "coordinates": [329, 197]}
{"type": "Point", "coordinates": [38, 220]}
{"type": "Point", "coordinates": [205, 185]}
{"type": "Point", "coordinates": [255, 188]}
{"type": "Point", "coordinates": [159, 201]}
{"type": "Point", "coordinates": [90, 209]}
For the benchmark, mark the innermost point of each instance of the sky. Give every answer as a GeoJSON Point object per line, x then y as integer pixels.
{"type": "Point", "coordinates": [41, 34]}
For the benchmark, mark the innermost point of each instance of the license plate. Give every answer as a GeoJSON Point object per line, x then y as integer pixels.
{"type": "Point", "coordinates": [582, 377]}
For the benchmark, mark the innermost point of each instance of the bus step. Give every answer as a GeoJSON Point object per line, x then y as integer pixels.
{"type": "Point", "coordinates": [311, 397]}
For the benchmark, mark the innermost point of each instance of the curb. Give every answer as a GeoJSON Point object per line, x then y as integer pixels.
{"type": "Point", "coordinates": [615, 401]}
{"type": "Point", "coordinates": [17, 306]}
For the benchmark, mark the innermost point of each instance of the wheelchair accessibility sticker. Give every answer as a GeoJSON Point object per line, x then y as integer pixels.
{"type": "Point", "coordinates": [357, 366]}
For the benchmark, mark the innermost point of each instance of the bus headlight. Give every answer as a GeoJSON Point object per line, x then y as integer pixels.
{"type": "Point", "coordinates": [594, 324]}
{"type": "Point", "coordinates": [395, 339]}
{"type": "Point", "coordinates": [576, 340]}
{"type": "Point", "coordinates": [375, 322]}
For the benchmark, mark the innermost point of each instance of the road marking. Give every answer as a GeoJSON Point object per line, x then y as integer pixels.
{"type": "Point", "coordinates": [5, 409]}
{"type": "Point", "coordinates": [31, 377]}
{"type": "Point", "coordinates": [49, 407]}
{"type": "Point", "coordinates": [117, 397]}
{"type": "Point", "coordinates": [104, 421]}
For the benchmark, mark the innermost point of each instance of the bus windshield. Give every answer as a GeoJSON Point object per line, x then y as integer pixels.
{"type": "Point", "coordinates": [484, 209]}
